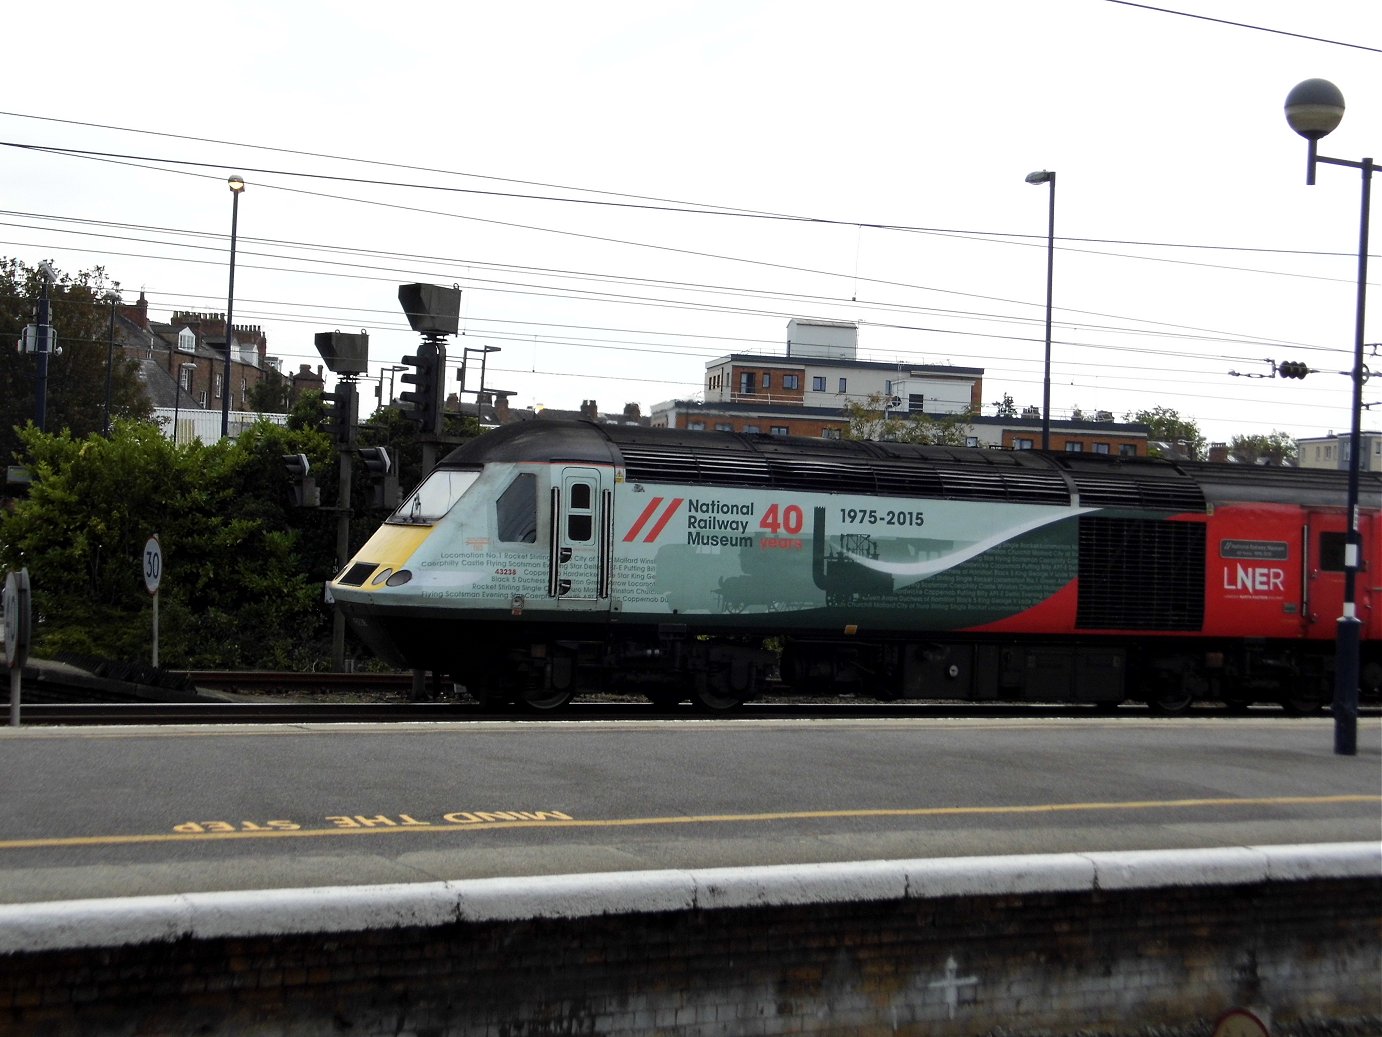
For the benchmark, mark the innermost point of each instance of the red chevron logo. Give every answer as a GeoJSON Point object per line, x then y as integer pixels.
{"type": "Point", "coordinates": [647, 516]}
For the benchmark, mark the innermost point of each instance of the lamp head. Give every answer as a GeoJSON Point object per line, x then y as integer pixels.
{"type": "Point", "coordinates": [237, 184]}
{"type": "Point", "coordinates": [1041, 176]}
{"type": "Point", "coordinates": [1314, 108]}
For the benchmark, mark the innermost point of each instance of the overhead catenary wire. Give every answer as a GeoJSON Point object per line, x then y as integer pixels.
{"type": "Point", "coordinates": [513, 287]}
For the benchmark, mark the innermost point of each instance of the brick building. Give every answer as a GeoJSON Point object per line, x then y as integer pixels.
{"type": "Point", "coordinates": [804, 392]}
{"type": "Point", "coordinates": [182, 362]}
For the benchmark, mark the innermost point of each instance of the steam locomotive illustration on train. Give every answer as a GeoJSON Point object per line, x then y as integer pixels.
{"type": "Point", "coordinates": [553, 558]}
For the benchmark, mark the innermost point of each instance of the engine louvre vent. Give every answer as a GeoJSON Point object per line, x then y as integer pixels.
{"type": "Point", "coordinates": [1141, 574]}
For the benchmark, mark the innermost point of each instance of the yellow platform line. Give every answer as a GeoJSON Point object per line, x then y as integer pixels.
{"type": "Point", "coordinates": [373, 826]}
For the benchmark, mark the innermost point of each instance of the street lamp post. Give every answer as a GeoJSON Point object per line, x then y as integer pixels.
{"type": "Point", "coordinates": [44, 345]}
{"type": "Point", "coordinates": [112, 297]}
{"type": "Point", "coordinates": [177, 398]}
{"type": "Point", "coordinates": [1046, 176]}
{"type": "Point", "coordinates": [237, 187]}
{"type": "Point", "coordinates": [1313, 109]}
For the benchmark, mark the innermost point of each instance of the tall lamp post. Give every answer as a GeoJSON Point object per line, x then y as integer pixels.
{"type": "Point", "coordinates": [1313, 109]}
{"type": "Point", "coordinates": [177, 398]}
{"type": "Point", "coordinates": [112, 297]}
{"type": "Point", "coordinates": [237, 187]}
{"type": "Point", "coordinates": [1046, 176]}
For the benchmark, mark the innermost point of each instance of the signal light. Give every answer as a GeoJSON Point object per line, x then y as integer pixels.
{"type": "Point", "coordinates": [424, 402]}
{"type": "Point", "coordinates": [342, 409]}
{"type": "Point", "coordinates": [1292, 369]}
{"type": "Point", "coordinates": [303, 487]}
{"type": "Point", "coordinates": [382, 475]}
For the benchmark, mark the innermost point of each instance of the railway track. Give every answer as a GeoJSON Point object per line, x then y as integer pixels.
{"type": "Point", "coordinates": [258, 713]}
{"type": "Point", "coordinates": [55, 697]}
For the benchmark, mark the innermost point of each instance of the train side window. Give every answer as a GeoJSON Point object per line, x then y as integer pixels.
{"type": "Point", "coordinates": [1332, 552]}
{"type": "Point", "coordinates": [580, 496]}
{"type": "Point", "coordinates": [516, 510]}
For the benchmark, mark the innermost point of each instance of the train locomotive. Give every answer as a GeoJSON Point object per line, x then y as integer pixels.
{"type": "Point", "coordinates": [552, 558]}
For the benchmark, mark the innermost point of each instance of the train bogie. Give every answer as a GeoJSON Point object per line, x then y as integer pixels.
{"type": "Point", "coordinates": [557, 558]}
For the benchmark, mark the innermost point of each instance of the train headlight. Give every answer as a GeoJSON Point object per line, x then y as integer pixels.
{"type": "Point", "coordinates": [399, 578]}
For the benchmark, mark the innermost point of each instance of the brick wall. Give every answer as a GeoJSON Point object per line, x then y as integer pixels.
{"type": "Point", "coordinates": [1093, 961]}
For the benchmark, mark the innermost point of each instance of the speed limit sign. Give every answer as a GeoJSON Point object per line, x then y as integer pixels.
{"type": "Point", "coordinates": [153, 564]}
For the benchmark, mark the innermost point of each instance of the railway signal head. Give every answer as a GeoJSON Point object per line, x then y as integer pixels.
{"type": "Point", "coordinates": [424, 401]}
{"type": "Point", "coordinates": [342, 408]}
{"type": "Point", "coordinates": [383, 476]}
{"type": "Point", "coordinates": [1292, 369]}
{"type": "Point", "coordinates": [302, 486]}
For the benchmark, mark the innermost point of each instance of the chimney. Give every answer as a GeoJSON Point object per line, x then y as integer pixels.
{"type": "Point", "coordinates": [589, 410]}
{"type": "Point", "coordinates": [501, 408]}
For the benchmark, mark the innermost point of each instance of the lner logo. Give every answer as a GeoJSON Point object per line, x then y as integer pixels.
{"type": "Point", "coordinates": [648, 513]}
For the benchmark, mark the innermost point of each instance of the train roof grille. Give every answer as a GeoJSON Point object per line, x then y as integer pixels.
{"type": "Point", "coordinates": [661, 466]}
{"type": "Point", "coordinates": [1145, 490]}
{"type": "Point", "coordinates": [828, 474]}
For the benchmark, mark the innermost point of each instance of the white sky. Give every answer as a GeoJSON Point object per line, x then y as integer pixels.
{"type": "Point", "coordinates": [1166, 131]}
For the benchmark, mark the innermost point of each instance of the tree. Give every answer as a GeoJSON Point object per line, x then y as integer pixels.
{"type": "Point", "coordinates": [273, 394]}
{"type": "Point", "coordinates": [870, 420]}
{"type": "Point", "coordinates": [1278, 448]}
{"type": "Point", "coordinates": [243, 570]}
{"type": "Point", "coordinates": [1005, 408]}
{"type": "Point", "coordinates": [76, 386]}
{"type": "Point", "coordinates": [1167, 432]}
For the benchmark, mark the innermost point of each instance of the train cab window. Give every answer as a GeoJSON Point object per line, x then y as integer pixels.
{"type": "Point", "coordinates": [516, 511]}
{"type": "Point", "coordinates": [435, 496]}
{"type": "Point", "coordinates": [1332, 552]}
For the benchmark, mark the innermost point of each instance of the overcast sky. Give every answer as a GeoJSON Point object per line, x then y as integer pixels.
{"type": "Point", "coordinates": [557, 161]}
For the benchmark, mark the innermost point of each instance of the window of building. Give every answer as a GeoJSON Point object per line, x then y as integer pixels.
{"type": "Point", "coordinates": [830, 433]}
{"type": "Point", "coordinates": [971, 440]}
{"type": "Point", "coordinates": [818, 383]}
{"type": "Point", "coordinates": [751, 430]}
{"type": "Point", "coordinates": [780, 430]}
{"type": "Point", "coordinates": [723, 426]}
{"type": "Point", "coordinates": [1127, 450]}
{"type": "Point", "coordinates": [1022, 444]}
{"type": "Point", "coordinates": [767, 379]}
{"type": "Point", "coordinates": [696, 426]}
{"type": "Point", "coordinates": [1073, 447]}
{"type": "Point", "coordinates": [201, 397]}
{"type": "Point", "coordinates": [791, 381]}
{"type": "Point", "coordinates": [185, 377]}
{"type": "Point", "coordinates": [220, 381]}
{"type": "Point", "coordinates": [1101, 448]}
{"type": "Point", "coordinates": [187, 342]}
{"type": "Point", "coordinates": [842, 385]}
{"type": "Point", "coordinates": [748, 383]}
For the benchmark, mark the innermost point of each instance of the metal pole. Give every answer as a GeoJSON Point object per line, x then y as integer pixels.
{"type": "Point", "coordinates": [1050, 269]}
{"type": "Point", "coordinates": [1346, 662]}
{"type": "Point", "coordinates": [342, 530]}
{"type": "Point", "coordinates": [110, 360]}
{"type": "Point", "coordinates": [177, 402]}
{"type": "Point", "coordinates": [41, 366]}
{"type": "Point", "coordinates": [230, 302]}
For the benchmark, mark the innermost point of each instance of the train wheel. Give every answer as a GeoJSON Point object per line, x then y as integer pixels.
{"type": "Point", "coordinates": [544, 700]}
{"type": "Point", "coordinates": [1302, 707]}
{"type": "Point", "coordinates": [1169, 703]}
{"type": "Point", "coordinates": [711, 700]}
{"type": "Point", "coordinates": [712, 693]}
